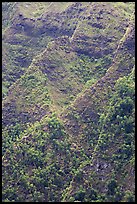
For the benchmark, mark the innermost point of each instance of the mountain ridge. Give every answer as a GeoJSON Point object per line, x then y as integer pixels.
{"type": "Point", "coordinates": [68, 115]}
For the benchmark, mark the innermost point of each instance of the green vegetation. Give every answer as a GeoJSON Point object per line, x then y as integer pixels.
{"type": "Point", "coordinates": [68, 87]}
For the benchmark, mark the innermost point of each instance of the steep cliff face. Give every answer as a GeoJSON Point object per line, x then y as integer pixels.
{"type": "Point", "coordinates": [25, 34]}
{"type": "Point", "coordinates": [94, 99]}
{"type": "Point", "coordinates": [68, 101]}
{"type": "Point", "coordinates": [82, 120]}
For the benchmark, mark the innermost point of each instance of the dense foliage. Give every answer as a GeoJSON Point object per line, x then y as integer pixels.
{"type": "Point", "coordinates": [68, 102]}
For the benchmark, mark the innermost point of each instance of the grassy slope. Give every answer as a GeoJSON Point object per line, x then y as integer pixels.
{"type": "Point", "coordinates": [28, 35]}
{"type": "Point", "coordinates": [82, 118]}
{"type": "Point", "coordinates": [47, 83]}
{"type": "Point", "coordinates": [80, 67]}
{"type": "Point", "coordinates": [61, 157]}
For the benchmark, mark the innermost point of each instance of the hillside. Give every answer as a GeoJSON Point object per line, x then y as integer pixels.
{"type": "Point", "coordinates": [68, 101]}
